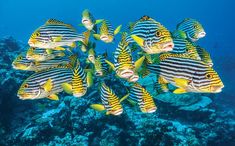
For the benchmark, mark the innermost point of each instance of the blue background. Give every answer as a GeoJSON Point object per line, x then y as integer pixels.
{"type": "Point", "coordinates": [19, 18]}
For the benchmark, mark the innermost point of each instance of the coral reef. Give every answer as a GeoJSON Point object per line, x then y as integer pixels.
{"type": "Point", "coordinates": [186, 119]}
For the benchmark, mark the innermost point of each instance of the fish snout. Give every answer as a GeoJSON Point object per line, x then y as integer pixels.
{"type": "Point", "coordinates": [118, 112]}
{"type": "Point", "coordinates": [151, 110]}
{"type": "Point", "coordinates": [85, 21]}
{"type": "Point", "coordinates": [217, 88]}
{"type": "Point", "coordinates": [126, 73]}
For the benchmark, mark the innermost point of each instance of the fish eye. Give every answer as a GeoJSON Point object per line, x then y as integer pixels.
{"type": "Point", "coordinates": [158, 34]}
{"type": "Point", "coordinates": [20, 57]}
{"type": "Point", "coordinates": [209, 76]}
{"type": "Point", "coordinates": [195, 26]}
{"type": "Point", "coordinates": [33, 48]}
{"type": "Point", "coordinates": [26, 85]}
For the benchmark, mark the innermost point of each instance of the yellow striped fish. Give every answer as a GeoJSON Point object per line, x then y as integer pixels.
{"type": "Point", "coordinates": [124, 66]}
{"type": "Point", "coordinates": [205, 56]}
{"type": "Point", "coordinates": [45, 84]}
{"type": "Point", "coordinates": [107, 33]}
{"type": "Point", "coordinates": [22, 63]}
{"type": "Point", "coordinates": [54, 34]}
{"type": "Point", "coordinates": [78, 85]}
{"type": "Point", "coordinates": [188, 75]}
{"type": "Point", "coordinates": [192, 28]}
{"type": "Point", "coordinates": [151, 36]}
{"type": "Point", "coordinates": [89, 22]}
{"type": "Point", "coordinates": [110, 101]}
{"type": "Point", "coordinates": [39, 54]}
{"type": "Point", "coordinates": [143, 98]}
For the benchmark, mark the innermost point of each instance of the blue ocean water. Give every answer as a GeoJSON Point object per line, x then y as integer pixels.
{"type": "Point", "coordinates": [72, 122]}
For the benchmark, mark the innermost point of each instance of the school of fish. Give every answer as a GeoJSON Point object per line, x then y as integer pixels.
{"type": "Point", "coordinates": [145, 47]}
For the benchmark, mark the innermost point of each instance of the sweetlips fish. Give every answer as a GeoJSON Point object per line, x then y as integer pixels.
{"type": "Point", "coordinates": [110, 102]}
{"type": "Point", "coordinates": [151, 36]}
{"type": "Point", "coordinates": [22, 63]}
{"type": "Point", "coordinates": [124, 66]}
{"type": "Point", "coordinates": [54, 34]}
{"type": "Point", "coordinates": [48, 83]}
{"type": "Point", "coordinates": [142, 97]}
{"type": "Point", "coordinates": [188, 75]}
{"type": "Point", "coordinates": [39, 54]}
{"type": "Point", "coordinates": [192, 28]}
{"type": "Point", "coordinates": [89, 22]}
{"type": "Point", "coordinates": [107, 32]}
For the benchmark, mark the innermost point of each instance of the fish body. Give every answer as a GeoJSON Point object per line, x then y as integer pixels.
{"type": "Point", "coordinates": [101, 67]}
{"type": "Point", "coordinates": [193, 29]}
{"type": "Point", "coordinates": [110, 100]}
{"type": "Point", "coordinates": [107, 32]}
{"type": "Point", "coordinates": [54, 34]}
{"type": "Point", "coordinates": [41, 54]}
{"type": "Point", "coordinates": [188, 75]}
{"type": "Point", "coordinates": [45, 83]}
{"type": "Point", "coordinates": [151, 36]}
{"type": "Point", "coordinates": [143, 98]}
{"type": "Point", "coordinates": [22, 63]}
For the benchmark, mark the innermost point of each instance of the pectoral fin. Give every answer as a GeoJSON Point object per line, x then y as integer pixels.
{"type": "Point", "coordinates": [53, 97]}
{"type": "Point", "coordinates": [49, 51]}
{"type": "Point", "coordinates": [117, 30]}
{"type": "Point", "coordinates": [138, 40]}
{"type": "Point", "coordinates": [59, 48]}
{"type": "Point", "coordinates": [89, 79]}
{"type": "Point", "coordinates": [98, 21]}
{"type": "Point", "coordinates": [179, 91]}
{"type": "Point", "coordinates": [124, 97]}
{"type": "Point", "coordinates": [96, 36]}
{"type": "Point", "coordinates": [48, 85]}
{"type": "Point", "coordinates": [110, 64]}
{"type": "Point", "coordinates": [67, 88]}
{"type": "Point", "coordinates": [139, 62]}
{"type": "Point", "coordinates": [80, 24]}
{"type": "Point", "coordinates": [98, 107]}
{"type": "Point", "coordinates": [73, 45]}
{"type": "Point", "coordinates": [57, 39]}
{"type": "Point", "coordinates": [181, 82]}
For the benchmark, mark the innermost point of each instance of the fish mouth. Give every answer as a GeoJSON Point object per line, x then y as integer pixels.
{"type": "Point", "coordinates": [126, 73]}
{"type": "Point", "coordinates": [85, 21]}
{"type": "Point", "coordinates": [29, 57]}
{"type": "Point", "coordinates": [151, 110]}
{"type": "Point", "coordinates": [104, 37]}
{"type": "Point", "coordinates": [79, 94]}
{"type": "Point", "coordinates": [118, 112]}
{"type": "Point", "coordinates": [24, 96]}
{"type": "Point", "coordinates": [134, 78]}
{"type": "Point", "coordinates": [168, 46]}
{"type": "Point", "coordinates": [201, 35]}
{"type": "Point", "coordinates": [217, 89]}
{"type": "Point", "coordinates": [99, 73]}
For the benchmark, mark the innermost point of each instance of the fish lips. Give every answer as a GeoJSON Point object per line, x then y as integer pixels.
{"type": "Point", "coordinates": [118, 112]}
{"type": "Point", "coordinates": [217, 89]}
{"type": "Point", "coordinates": [201, 34]}
{"type": "Point", "coordinates": [151, 110]}
{"type": "Point", "coordinates": [85, 21]}
{"type": "Point", "coordinates": [134, 78]}
{"type": "Point", "coordinates": [24, 96]}
{"type": "Point", "coordinates": [168, 46]}
{"type": "Point", "coordinates": [126, 73]}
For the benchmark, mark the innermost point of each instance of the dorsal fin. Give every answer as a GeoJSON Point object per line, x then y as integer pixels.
{"type": "Point", "coordinates": [57, 22]}
{"type": "Point", "coordinates": [54, 21]}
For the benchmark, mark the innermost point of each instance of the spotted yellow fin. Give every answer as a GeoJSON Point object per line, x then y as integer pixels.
{"type": "Point", "coordinates": [73, 45]}
{"type": "Point", "coordinates": [110, 64]}
{"type": "Point", "coordinates": [139, 62]}
{"type": "Point", "coordinates": [179, 91]}
{"type": "Point", "coordinates": [96, 36]}
{"type": "Point", "coordinates": [117, 30]}
{"type": "Point", "coordinates": [87, 36]}
{"type": "Point", "coordinates": [138, 40]}
{"type": "Point", "coordinates": [48, 85]}
{"type": "Point", "coordinates": [67, 88]}
{"type": "Point", "coordinates": [98, 107]}
{"type": "Point", "coordinates": [53, 97]}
